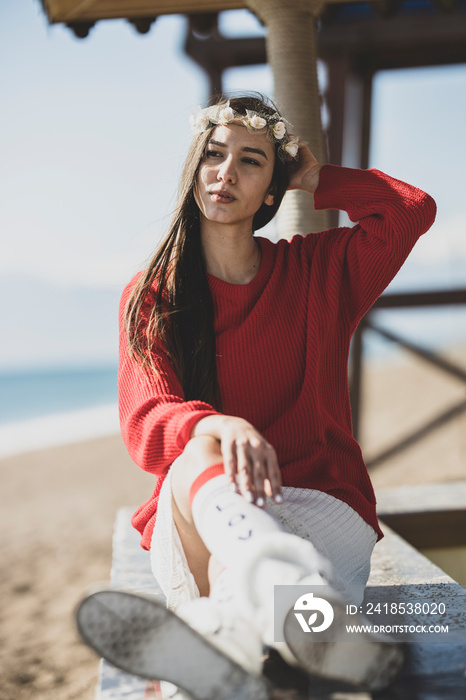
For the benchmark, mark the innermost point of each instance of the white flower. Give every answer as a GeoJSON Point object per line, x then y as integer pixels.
{"type": "Point", "coordinates": [256, 122]}
{"type": "Point", "coordinates": [199, 121]}
{"type": "Point", "coordinates": [226, 115]}
{"type": "Point", "coordinates": [292, 147]}
{"type": "Point", "coordinates": [279, 130]}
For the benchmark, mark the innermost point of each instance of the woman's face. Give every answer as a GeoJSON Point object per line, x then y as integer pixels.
{"type": "Point", "coordinates": [235, 176]}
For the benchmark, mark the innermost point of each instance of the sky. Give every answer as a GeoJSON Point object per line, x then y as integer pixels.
{"type": "Point", "coordinates": [92, 143]}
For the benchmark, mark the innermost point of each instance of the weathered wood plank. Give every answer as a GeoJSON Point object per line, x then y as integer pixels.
{"type": "Point", "coordinates": [94, 10]}
{"type": "Point", "coordinates": [427, 515]}
{"type": "Point", "coordinates": [433, 670]}
{"type": "Point", "coordinates": [130, 570]}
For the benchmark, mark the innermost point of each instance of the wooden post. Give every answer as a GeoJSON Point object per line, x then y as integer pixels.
{"type": "Point", "coordinates": [349, 103]}
{"type": "Point", "coordinates": [292, 54]}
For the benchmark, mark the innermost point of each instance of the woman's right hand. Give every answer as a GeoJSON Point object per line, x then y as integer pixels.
{"type": "Point", "coordinates": [250, 461]}
{"type": "Point", "coordinates": [305, 171]}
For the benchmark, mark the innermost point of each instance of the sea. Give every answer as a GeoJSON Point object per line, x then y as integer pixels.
{"type": "Point", "coordinates": [44, 407]}
{"type": "Point", "coordinates": [53, 406]}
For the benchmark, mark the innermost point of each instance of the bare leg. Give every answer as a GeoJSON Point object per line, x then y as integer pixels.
{"type": "Point", "coordinates": [199, 454]}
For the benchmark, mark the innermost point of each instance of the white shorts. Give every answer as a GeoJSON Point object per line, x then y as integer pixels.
{"type": "Point", "coordinates": [332, 526]}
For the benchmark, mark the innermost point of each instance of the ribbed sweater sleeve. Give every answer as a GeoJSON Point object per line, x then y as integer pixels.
{"type": "Point", "coordinates": [156, 422]}
{"type": "Point", "coordinates": [391, 216]}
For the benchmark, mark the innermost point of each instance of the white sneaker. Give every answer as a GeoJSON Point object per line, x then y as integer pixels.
{"type": "Point", "coordinates": [170, 691]}
{"type": "Point", "coordinates": [226, 630]}
{"type": "Point", "coordinates": [276, 559]}
{"type": "Point", "coordinates": [218, 622]}
{"type": "Point", "coordinates": [139, 635]}
{"type": "Point", "coordinates": [370, 662]}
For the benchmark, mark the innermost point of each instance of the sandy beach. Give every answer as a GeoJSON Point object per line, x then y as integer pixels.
{"type": "Point", "coordinates": [58, 507]}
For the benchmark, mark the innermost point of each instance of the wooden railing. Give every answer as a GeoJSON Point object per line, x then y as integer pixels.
{"type": "Point", "coordinates": [404, 301]}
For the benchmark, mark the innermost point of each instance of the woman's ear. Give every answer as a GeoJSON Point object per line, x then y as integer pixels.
{"type": "Point", "coordinates": [269, 199]}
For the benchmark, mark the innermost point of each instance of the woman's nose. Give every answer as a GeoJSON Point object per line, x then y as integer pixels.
{"type": "Point", "coordinates": [226, 171]}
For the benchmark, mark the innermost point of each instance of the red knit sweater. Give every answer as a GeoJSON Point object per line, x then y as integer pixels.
{"type": "Point", "coordinates": [283, 343]}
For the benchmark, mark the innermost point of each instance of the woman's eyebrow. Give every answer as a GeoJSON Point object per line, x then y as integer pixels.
{"type": "Point", "coordinates": [217, 143]}
{"type": "Point", "coordinates": [246, 148]}
{"type": "Point", "coordinates": [255, 150]}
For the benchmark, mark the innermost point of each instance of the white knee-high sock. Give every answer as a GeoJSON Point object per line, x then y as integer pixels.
{"type": "Point", "coordinates": [253, 547]}
{"type": "Point", "coordinates": [226, 522]}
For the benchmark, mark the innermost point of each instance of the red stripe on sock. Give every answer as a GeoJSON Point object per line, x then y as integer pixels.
{"type": "Point", "coordinates": [207, 475]}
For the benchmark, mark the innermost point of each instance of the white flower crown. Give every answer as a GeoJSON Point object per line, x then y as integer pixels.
{"type": "Point", "coordinates": [274, 126]}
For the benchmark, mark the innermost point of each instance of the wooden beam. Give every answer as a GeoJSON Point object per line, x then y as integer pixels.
{"type": "Point", "coordinates": [361, 47]}
{"type": "Point", "coordinates": [65, 11]}
{"type": "Point", "coordinates": [447, 297]}
{"type": "Point", "coordinates": [403, 41]}
{"type": "Point", "coordinates": [68, 11]}
{"type": "Point", "coordinates": [426, 515]}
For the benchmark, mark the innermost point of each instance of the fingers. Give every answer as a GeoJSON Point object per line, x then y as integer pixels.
{"type": "Point", "coordinates": [229, 457]}
{"type": "Point", "coordinates": [304, 172]}
{"type": "Point", "coordinates": [259, 475]}
{"type": "Point", "coordinates": [274, 475]}
{"type": "Point", "coordinates": [258, 471]}
{"type": "Point", "coordinates": [250, 462]}
{"type": "Point", "coordinates": [245, 470]}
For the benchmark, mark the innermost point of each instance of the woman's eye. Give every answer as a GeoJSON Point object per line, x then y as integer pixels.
{"type": "Point", "coordinates": [217, 154]}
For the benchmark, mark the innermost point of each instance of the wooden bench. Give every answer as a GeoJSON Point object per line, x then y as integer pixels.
{"type": "Point", "coordinates": [399, 572]}
{"type": "Point", "coordinates": [431, 517]}
{"type": "Point", "coordinates": [131, 570]}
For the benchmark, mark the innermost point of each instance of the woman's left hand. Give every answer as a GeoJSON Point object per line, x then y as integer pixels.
{"type": "Point", "coordinates": [305, 171]}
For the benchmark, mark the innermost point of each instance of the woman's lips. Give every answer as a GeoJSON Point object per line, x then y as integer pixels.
{"type": "Point", "coordinates": [222, 197]}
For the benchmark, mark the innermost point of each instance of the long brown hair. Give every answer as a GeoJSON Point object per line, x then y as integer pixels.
{"type": "Point", "coordinates": [180, 317]}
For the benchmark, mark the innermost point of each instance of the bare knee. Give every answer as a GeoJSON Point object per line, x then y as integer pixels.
{"type": "Point", "coordinates": [200, 453]}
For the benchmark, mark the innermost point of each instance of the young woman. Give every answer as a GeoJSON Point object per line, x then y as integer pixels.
{"type": "Point", "coordinates": [234, 391]}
